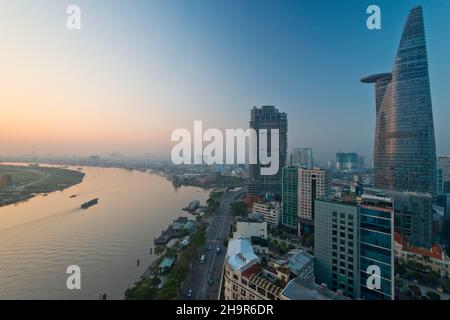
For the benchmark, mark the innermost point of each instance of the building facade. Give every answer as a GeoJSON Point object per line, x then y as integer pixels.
{"type": "Point", "coordinates": [312, 184]}
{"type": "Point", "coordinates": [443, 163]}
{"type": "Point", "coordinates": [244, 278]}
{"type": "Point", "coordinates": [270, 212]}
{"type": "Point", "coordinates": [405, 151]}
{"type": "Point", "coordinates": [267, 117]}
{"type": "Point", "coordinates": [414, 217]}
{"type": "Point", "coordinates": [336, 247]}
{"type": "Point", "coordinates": [350, 237]}
{"type": "Point", "coordinates": [376, 246]}
{"type": "Point", "coordinates": [289, 197]}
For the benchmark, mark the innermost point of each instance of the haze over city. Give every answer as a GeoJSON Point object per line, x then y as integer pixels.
{"type": "Point", "coordinates": [138, 70]}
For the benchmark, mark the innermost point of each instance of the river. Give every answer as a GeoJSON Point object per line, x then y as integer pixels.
{"type": "Point", "coordinates": [41, 237]}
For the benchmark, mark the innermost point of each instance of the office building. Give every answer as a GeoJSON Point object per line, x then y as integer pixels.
{"type": "Point", "coordinates": [289, 197]}
{"type": "Point", "coordinates": [267, 117]}
{"type": "Point", "coordinates": [376, 246]}
{"type": "Point", "coordinates": [336, 247]}
{"type": "Point", "coordinates": [405, 151]}
{"type": "Point", "coordinates": [350, 237]}
{"type": "Point", "coordinates": [414, 217]}
{"type": "Point", "coordinates": [312, 184]}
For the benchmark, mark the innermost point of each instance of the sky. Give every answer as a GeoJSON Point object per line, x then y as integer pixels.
{"type": "Point", "coordinates": [137, 70]}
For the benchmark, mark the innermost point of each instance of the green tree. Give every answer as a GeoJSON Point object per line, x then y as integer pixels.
{"type": "Point", "coordinates": [238, 208]}
{"type": "Point", "coordinates": [433, 295]}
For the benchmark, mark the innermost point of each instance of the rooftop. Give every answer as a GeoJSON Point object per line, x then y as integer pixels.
{"type": "Point", "coordinates": [298, 259]}
{"type": "Point", "coordinates": [375, 77]}
{"type": "Point", "coordinates": [240, 254]}
{"type": "Point", "coordinates": [300, 289]}
{"type": "Point", "coordinates": [435, 251]}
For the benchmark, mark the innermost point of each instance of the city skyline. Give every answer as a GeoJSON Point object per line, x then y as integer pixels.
{"type": "Point", "coordinates": [111, 87]}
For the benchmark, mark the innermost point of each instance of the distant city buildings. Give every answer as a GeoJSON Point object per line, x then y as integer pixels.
{"type": "Point", "coordinates": [267, 117]}
{"type": "Point", "coordinates": [302, 157]}
{"type": "Point", "coordinates": [94, 160]}
{"type": "Point", "coordinates": [6, 182]}
{"type": "Point", "coordinates": [347, 161]}
{"type": "Point", "coordinates": [312, 184]}
{"type": "Point", "coordinates": [405, 151]}
{"type": "Point", "coordinates": [350, 237]}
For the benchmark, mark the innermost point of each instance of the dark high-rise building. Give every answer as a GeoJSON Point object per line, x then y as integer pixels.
{"type": "Point", "coordinates": [405, 152]}
{"type": "Point", "coordinates": [414, 217]}
{"type": "Point", "coordinates": [267, 117]}
{"type": "Point", "coordinates": [290, 197]}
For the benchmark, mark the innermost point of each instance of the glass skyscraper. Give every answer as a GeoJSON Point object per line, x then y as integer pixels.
{"type": "Point", "coordinates": [376, 246]}
{"type": "Point", "coordinates": [405, 151]}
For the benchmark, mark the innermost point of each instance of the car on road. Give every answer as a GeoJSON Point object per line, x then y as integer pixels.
{"type": "Point", "coordinates": [189, 293]}
{"type": "Point", "coordinates": [209, 247]}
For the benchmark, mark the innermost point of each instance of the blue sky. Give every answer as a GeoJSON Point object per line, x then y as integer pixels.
{"type": "Point", "coordinates": [160, 65]}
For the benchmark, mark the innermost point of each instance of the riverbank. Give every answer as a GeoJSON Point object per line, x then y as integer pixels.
{"type": "Point", "coordinates": [24, 182]}
{"type": "Point", "coordinates": [157, 285]}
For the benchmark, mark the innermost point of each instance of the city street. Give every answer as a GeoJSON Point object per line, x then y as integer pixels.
{"type": "Point", "coordinates": [204, 278]}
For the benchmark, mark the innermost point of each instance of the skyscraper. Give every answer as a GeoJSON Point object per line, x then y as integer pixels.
{"type": "Point", "coordinates": [267, 117]}
{"type": "Point", "coordinates": [290, 197]}
{"type": "Point", "coordinates": [405, 151]}
{"type": "Point", "coordinates": [312, 184]}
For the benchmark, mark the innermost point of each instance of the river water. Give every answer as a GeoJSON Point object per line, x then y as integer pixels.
{"type": "Point", "coordinates": [41, 237]}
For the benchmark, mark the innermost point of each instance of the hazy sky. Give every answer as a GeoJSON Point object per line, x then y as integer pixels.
{"type": "Point", "coordinates": [137, 70]}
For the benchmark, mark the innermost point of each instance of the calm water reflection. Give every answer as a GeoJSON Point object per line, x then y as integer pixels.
{"type": "Point", "coordinates": [41, 237]}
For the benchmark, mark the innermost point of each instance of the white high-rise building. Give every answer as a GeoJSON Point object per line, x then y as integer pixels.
{"type": "Point", "coordinates": [312, 184]}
